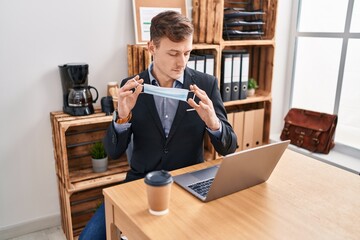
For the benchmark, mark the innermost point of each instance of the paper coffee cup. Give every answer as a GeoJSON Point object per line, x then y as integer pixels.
{"type": "Point", "coordinates": [158, 188]}
{"type": "Point", "coordinates": [112, 88]}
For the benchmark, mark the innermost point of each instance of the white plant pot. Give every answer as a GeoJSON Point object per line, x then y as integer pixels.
{"type": "Point", "coordinates": [251, 92]}
{"type": "Point", "coordinates": [100, 165]}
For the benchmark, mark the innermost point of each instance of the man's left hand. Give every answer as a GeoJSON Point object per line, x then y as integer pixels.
{"type": "Point", "coordinates": [205, 108]}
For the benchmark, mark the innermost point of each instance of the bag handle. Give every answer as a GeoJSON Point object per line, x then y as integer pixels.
{"type": "Point", "coordinates": [312, 113]}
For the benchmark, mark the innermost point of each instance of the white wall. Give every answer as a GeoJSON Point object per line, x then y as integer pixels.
{"type": "Point", "coordinates": [281, 85]}
{"type": "Point", "coordinates": [37, 36]}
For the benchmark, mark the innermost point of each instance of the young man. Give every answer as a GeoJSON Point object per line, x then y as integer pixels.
{"type": "Point", "coordinates": [166, 132]}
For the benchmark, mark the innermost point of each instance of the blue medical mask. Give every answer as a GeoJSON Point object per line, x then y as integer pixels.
{"type": "Point", "coordinates": [174, 93]}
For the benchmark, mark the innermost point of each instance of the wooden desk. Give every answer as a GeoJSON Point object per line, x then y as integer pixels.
{"type": "Point", "coordinates": [303, 199]}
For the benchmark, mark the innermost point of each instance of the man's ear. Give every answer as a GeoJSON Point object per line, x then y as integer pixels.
{"type": "Point", "coordinates": [151, 47]}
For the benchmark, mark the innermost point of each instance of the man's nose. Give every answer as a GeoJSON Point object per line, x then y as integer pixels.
{"type": "Point", "coordinates": [181, 61]}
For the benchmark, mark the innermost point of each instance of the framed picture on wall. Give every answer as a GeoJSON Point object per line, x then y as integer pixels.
{"type": "Point", "coordinates": [145, 10]}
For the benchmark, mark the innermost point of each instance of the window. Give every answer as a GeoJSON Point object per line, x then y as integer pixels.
{"type": "Point", "coordinates": [325, 68]}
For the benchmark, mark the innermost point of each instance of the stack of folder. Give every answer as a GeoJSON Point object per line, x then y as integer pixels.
{"type": "Point", "coordinates": [204, 63]}
{"type": "Point", "coordinates": [248, 126]}
{"type": "Point", "coordinates": [234, 75]}
{"type": "Point", "coordinates": [240, 23]}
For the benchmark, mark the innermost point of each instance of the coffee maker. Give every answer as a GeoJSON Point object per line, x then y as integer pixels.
{"type": "Point", "coordinates": [77, 98]}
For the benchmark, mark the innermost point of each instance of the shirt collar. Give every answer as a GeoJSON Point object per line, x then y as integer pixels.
{"type": "Point", "coordinates": [152, 78]}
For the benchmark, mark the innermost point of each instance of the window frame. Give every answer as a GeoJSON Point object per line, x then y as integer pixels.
{"type": "Point", "coordinates": [295, 34]}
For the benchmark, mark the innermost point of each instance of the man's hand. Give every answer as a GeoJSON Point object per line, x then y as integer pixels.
{"type": "Point", "coordinates": [205, 108]}
{"type": "Point", "coordinates": [127, 96]}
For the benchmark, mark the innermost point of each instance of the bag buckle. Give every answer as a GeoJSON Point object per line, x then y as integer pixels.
{"type": "Point", "coordinates": [286, 131]}
{"type": "Point", "coordinates": [300, 140]}
{"type": "Point", "coordinates": [316, 141]}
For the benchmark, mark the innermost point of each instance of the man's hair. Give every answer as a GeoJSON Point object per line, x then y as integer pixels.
{"type": "Point", "coordinates": [172, 25]}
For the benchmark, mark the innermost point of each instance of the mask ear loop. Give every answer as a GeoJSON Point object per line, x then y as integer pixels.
{"type": "Point", "coordinates": [191, 109]}
{"type": "Point", "coordinates": [137, 84]}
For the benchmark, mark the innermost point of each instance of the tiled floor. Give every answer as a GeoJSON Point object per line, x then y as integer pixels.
{"type": "Point", "coordinates": [54, 233]}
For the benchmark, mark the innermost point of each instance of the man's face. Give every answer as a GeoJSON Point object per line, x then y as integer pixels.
{"type": "Point", "coordinates": [170, 58]}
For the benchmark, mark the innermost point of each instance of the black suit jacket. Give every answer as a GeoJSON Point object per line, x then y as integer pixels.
{"type": "Point", "coordinates": [184, 145]}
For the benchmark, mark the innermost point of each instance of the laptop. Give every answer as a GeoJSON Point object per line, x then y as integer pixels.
{"type": "Point", "coordinates": [236, 172]}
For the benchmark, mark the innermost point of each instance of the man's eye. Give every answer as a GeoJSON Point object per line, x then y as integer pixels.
{"type": "Point", "coordinates": [173, 54]}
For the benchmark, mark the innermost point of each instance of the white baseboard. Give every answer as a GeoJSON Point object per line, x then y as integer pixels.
{"type": "Point", "coordinates": [29, 226]}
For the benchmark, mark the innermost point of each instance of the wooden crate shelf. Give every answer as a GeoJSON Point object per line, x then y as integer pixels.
{"type": "Point", "coordinates": [80, 189]}
{"type": "Point", "coordinates": [260, 96]}
{"type": "Point", "coordinates": [208, 19]}
{"type": "Point", "coordinates": [72, 138]}
{"type": "Point", "coordinates": [140, 59]}
{"type": "Point", "coordinates": [77, 208]}
{"type": "Point", "coordinates": [269, 42]}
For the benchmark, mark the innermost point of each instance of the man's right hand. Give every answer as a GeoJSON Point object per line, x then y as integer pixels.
{"type": "Point", "coordinates": [128, 94]}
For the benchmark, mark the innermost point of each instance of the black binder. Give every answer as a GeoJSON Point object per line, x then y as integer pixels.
{"type": "Point", "coordinates": [244, 74]}
{"type": "Point", "coordinates": [236, 76]}
{"type": "Point", "coordinates": [191, 62]}
{"type": "Point", "coordinates": [209, 64]}
{"type": "Point", "coordinates": [200, 63]}
{"type": "Point", "coordinates": [226, 72]}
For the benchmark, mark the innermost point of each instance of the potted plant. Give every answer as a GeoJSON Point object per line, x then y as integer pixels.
{"type": "Point", "coordinates": [252, 85]}
{"type": "Point", "coordinates": [99, 157]}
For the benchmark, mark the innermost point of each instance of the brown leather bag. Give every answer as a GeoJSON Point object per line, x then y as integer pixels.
{"type": "Point", "coordinates": [311, 130]}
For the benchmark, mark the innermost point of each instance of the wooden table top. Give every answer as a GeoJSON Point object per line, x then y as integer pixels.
{"type": "Point", "coordinates": [303, 199]}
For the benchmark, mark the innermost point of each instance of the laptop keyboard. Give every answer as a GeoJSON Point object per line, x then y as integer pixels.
{"type": "Point", "coordinates": [202, 187]}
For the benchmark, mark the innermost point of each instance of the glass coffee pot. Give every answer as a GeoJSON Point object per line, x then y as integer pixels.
{"type": "Point", "coordinates": [82, 97]}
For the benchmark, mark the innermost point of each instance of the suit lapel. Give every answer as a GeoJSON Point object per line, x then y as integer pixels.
{"type": "Point", "coordinates": [150, 104]}
{"type": "Point", "coordinates": [181, 110]}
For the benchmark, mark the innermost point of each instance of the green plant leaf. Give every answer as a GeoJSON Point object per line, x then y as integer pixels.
{"type": "Point", "coordinates": [97, 151]}
{"type": "Point", "coordinates": [252, 84]}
